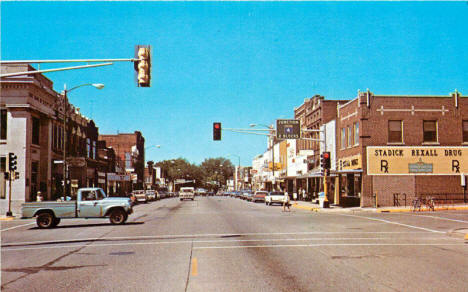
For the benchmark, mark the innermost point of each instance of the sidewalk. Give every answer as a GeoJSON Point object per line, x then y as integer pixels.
{"type": "Point", "coordinates": [316, 208]}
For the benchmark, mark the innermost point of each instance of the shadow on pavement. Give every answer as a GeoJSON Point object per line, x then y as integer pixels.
{"type": "Point", "coordinates": [90, 225]}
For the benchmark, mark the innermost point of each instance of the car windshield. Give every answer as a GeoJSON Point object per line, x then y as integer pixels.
{"type": "Point", "coordinates": [277, 194]}
{"type": "Point", "coordinates": [261, 193]}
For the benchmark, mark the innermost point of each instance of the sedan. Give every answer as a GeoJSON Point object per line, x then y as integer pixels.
{"type": "Point", "coordinates": [259, 196]}
{"type": "Point", "coordinates": [274, 198]}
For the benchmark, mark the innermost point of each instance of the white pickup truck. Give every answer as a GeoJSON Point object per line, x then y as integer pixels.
{"type": "Point", "coordinates": [187, 193]}
{"type": "Point", "coordinates": [90, 203]}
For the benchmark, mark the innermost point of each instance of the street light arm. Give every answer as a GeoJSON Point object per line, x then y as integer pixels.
{"type": "Point", "coordinates": [97, 85]}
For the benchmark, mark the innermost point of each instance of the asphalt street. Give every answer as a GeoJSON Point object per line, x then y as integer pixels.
{"type": "Point", "coordinates": [225, 244]}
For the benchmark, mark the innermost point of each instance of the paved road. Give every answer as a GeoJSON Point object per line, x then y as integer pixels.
{"type": "Point", "coordinates": [224, 244]}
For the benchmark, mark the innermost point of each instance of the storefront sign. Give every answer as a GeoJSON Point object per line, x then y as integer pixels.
{"type": "Point", "coordinates": [117, 177]}
{"type": "Point", "coordinates": [351, 162]}
{"type": "Point", "coordinates": [417, 160]}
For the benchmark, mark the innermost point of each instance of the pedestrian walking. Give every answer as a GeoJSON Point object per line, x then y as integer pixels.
{"type": "Point", "coordinates": [304, 196]}
{"type": "Point", "coordinates": [286, 201]}
{"type": "Point", "coordinates": [295, 196]}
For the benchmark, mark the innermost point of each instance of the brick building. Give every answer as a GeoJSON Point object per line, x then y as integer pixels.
{"type": "Point", "coordinates": [129, 148]}
{"type": "Point", "coordinates": [413, 145]}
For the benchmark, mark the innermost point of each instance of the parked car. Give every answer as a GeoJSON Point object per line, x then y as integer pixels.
{"type": "Point", "coordinates": [151, 195]}
{"type": "Point", "coordinates": [259, 196]}
{"type": "Point", "coordinates": [247, 195]}
{"type": "Point", "coordinates": [140, 196]}
{"type": "Point", "coordinates": [274, 198]}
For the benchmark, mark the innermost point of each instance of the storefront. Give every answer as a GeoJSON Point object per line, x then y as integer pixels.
{"type": "Point", "coordinates": [349, 181]}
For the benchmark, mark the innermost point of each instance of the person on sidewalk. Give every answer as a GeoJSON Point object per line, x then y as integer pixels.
{"type": "Point", "coordinates": [286, 201]}
{"type": "Point", "coordinates": [304, 197]}
{"type": "Point", "coordinates": [295, 197]}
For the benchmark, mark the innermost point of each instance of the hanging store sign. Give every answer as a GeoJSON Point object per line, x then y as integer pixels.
{"type": "Point", "coordinates": [351, 162]}
{"type": "Point", "coordinates": [417, 160]}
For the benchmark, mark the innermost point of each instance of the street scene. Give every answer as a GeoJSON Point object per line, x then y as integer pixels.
{"type": "Point", "coordinates": [233, 146]}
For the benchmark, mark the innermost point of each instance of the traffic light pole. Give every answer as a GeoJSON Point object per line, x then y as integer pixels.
{"type": "Point", "coordinates": [9, 213]}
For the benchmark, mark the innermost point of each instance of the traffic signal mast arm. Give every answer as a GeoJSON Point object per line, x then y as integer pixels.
{"type": "Point", "coordinates": [61, 61]}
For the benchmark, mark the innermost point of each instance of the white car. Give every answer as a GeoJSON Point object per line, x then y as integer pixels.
{"type": "Point", "coordinates": [151, 195]}
{"type": "Point", "coordinates": [140, 196]}
{"type": "Point", "coordinates": [274, 197]}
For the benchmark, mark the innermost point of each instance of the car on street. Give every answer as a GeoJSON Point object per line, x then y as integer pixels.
{"type": "Point", "coordinates": [151, 195]}
{"type": "Point", "coordinates": [275, 197]}
{"type": "Point", "coordinates": [259, 196]}
{"type": "Point", "coordinates": [187, 193]}
{"type": "Point", "coordinates": [140, 196]}
{"type": "Point", "coordinates": [247, 195]}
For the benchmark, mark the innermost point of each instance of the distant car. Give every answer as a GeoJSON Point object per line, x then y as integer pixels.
{"type": "Point", "coordinates": [163, 194]}
{"type": "Point", "coordinates": [151, 195]}
{"type": "Point", "coordinates": [247, 195]}
{"type": "Point", "coordinates": [259, 196]}
{"type": "Point", "coordinates": [140, 196]}
{"type": "Point", "coordinates": [274, 198]}
{"type": "Point", "coordinates": [201, 192]}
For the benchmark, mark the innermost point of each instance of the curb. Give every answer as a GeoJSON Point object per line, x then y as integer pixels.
{"type": "Point", "coordinates": [295, 205]}
{"type": "Point", "coordinates": [7, 218]}
{"type": "Point", "coordinates": [422, 209]}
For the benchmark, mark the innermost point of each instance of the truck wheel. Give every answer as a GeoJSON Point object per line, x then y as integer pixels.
{"type": "Point", "coordinates": [56, 222]}
{"type": "Point", "coordinates": [118, 217]}
{"type": "Point", "coordinates": [45, 220]}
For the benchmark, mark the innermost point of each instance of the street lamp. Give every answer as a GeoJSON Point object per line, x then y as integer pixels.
{"type": "Point", "coordinates": [238, 168]}
{"type": "Point", "coordinates": [65, 116]}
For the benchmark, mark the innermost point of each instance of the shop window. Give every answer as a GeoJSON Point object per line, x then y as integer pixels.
{"type": "Point", "coordinates": [3, 122]}
{"type": "Point", "coordinates": [356, 133]}
{"type": "Point", "coordinates": [395, 131]}
{"type": "Point", "coordinates": [94, 149]}
{"type": "Point", "coordinates": [35, 130]}
{"type": "Point", "coordinates": [343, 138]}
{"type": "Point", "coordinates": [430, 131]}
{"type": "Point", "coordinates": [465, 131]}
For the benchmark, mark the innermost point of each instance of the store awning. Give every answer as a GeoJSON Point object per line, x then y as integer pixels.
{"type": "Point", "coordinates": [349, 171]}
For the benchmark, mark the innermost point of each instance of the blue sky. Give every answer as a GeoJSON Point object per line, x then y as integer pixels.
{"type": "Point", "coordinates": [237, 62]}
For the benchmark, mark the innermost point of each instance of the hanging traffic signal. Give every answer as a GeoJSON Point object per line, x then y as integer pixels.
{"type": "Point", "coordinates": [143, 65]}
{"type": "Point", "coordinates": [326, 160]}
{"type": "Point", "coordinates": [12, 161]}
{"type": "Point", "coordinates": [216, 131]}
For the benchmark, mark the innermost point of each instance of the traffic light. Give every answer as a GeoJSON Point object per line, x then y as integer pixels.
{"type": "Point", "coordinates": [12, 161]}
{"type": "Point", "coordinates": [216, 131]}
{"type": "Point", "coordinates": [326, 160]}
{"type": "Point", "coordinates": [143, 65]}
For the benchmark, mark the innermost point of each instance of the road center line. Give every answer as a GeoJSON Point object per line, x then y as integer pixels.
{"type": "Point", "coordinates": [194, 267]}
{"type": "Point", "coordinates": [395, 223]}
{"type": "Point", "coordinates": [14, 227]}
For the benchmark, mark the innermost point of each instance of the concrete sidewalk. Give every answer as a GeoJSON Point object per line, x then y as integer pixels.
{"type": "Point", "coordinates": [316, 208]}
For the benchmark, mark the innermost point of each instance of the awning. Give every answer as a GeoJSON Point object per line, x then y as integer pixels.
{"type": "Point", "coordinates": [349, 171]}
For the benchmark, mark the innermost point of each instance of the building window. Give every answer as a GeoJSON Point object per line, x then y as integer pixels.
{"type": "Point", "coordinates": [395, 131]}
{"type": "Point", "coordinates": [94, 149]}
{"type": "Point", "coordinates": [430, 131]}
{"type": "Point", "coordinates": [356, 133]}
{"type": "Point", "coordinates": [465, 131]}
{"type": "Point", "coordinates": [350, 136]}
{"type": "Point", "coordinates": [88, 148]}
{"type": "Point", "coordinates": [343, 138]}
{"type": "Point", "coordinates": [35, 130]}
{"type": "Point", "coordinates": [3, 122]}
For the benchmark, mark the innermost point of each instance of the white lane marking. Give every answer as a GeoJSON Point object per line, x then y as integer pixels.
{"type": "Point", "coordinates": [395, 223]}
{"type": "Point", "coordinates": [441, 218]}
{"type": "Point", "coordinates": [221, 240]}
{"type": "Point", "coordinates": [204, 235]}
{"type": "Point", "coordinates": [14, 227]}
{"type": "Point", "coordinates": [331, 244]}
